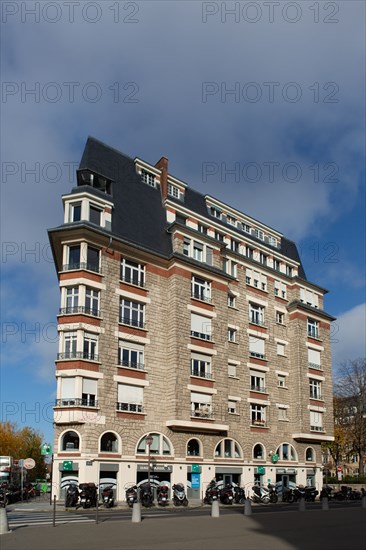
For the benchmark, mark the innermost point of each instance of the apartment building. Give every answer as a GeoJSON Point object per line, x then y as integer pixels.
{"type": "Point", "coordinates": [188, 321]}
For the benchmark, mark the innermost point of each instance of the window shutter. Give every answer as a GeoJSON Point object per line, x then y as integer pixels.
{"type": "Point", "coordinates": [256, 345]}
{"type": "Point", "coordinates": [130, 394]}
{"type": "Point", "coordinates": [314, 356]}
{"type": "Point", "coordinates": [67, 387]}
{"type": "Point", "coordinates": [89, 386]}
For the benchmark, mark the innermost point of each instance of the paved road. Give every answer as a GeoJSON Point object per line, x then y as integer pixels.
{"type": "Point", "coordinates": [337, 529]}
{"type": "Point", "coordinates": [25, 519]}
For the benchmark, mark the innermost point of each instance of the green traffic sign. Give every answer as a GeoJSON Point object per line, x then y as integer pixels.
{"type": "Point", "coordinates": [67, 465]}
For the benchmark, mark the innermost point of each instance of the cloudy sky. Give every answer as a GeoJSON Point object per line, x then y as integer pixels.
{"type": "Point", "coordinates": [260, 104]}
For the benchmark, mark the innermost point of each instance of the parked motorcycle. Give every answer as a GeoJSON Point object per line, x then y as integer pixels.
{"type": "Point", "coordinates": [347, 493]}
{"type": "Point", "coordinates": [5, 496]}
{"type": "Point", "coordinates": [272, 493]}
{"type": "Point", "coordinates": [227, 494]}
{"type": "Point", "coordinates": [260, 495]}
{"type": "Point", "coordinates": [108, 497]}
{"type": "Point", "coordinates": [179, 495]}
{"type": "Point", "coordinates": [326, 492]}
{"type": "Point", "coordinates": [212, 493]}
{"type": "Point", "coordinates": [163, 492]}
{"type": "Point", "coordinates": [288, 495]}
{"type": "Point", "coordinates": [146, 495]}
{"type": "Point", "coordinates": [239, 495]}
{"type": "Point", "coordinates": [131, 495]}
{"type": "Point", "coordinates": [88, 495]}
{"type": "Point", "coordinates": [72, 496]}
{"type": "Point", "coordinates": [307, 493]}
{"type": "Point", "coordinates": [28, 491]}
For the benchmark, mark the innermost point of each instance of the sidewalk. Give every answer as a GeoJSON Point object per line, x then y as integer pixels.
{"type": "Point", "coordinates": [310, 530]}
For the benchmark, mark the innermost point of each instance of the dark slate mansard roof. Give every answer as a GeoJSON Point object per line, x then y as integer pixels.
{"type": "Point", "coordinates": [139, 216]}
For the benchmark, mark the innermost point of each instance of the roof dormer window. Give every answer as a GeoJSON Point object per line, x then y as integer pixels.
{"type": "Point", "coordinates": [148, 178]}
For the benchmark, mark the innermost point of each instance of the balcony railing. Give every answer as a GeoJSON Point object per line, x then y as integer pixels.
{"type": "Point", "coordinates": [203, 412]}
{"type": "Point", "coordinates": [132, 322]}
{"type": "Point", "coordinates": [130, 407]}
{"type": "Point", "coordinates": [131, 365]}
{"type": "Point", "coordinates": [201, 335]}
{"type": "Point", "coordinates": [313, 332]}
{"type": "Point", "coordinates": [261, 389]}
{"type": "Point", "coordinates": [257, 355]}
{"type": "Point", "coordinates": [314, 366]}
{"type": "Point", "coordinates": [77, 355]}
{"type": "Point", "coordinates": [315, 395]}
{"type": "Point", "coordinates": [317, 429]}
{"type": "Point", "coordinates": [261, 423]}
{"type": "Point", "coordinates": [76, 403]}
{"type": "Point", "coordinates": [256, 321]}
{"type": "Point", "coordinates": [82, 265]}
{"type": "Point", "coordinates": [201, 296]}
{"type": "Point", "coordinates": [200, 374]}
{"type": "Point", "coordinates": [137, 281]}
{"type": "Point", "coordinates": [79, 309]}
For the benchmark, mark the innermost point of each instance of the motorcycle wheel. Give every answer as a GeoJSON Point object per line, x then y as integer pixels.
{"type": "Point", "coordinates": [177, 502]}
{"type": "Point", "coordinates": [265, 500]}
{"type": "Point", "coordinates": [185, 502]}
{"type": "Point", "coordinates": [291, 499]}
{"type": "Point", "coordinates": [274, 499]}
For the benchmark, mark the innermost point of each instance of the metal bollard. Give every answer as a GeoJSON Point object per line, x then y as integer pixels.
{"type": "Point", "coordinates": [248, 507]}
{"type": "Point", "coordinates": [97, 510]}
{"type": "Point", "coordinates": [364, 501]}
{"type": "Point", "coordinates": [302, 506]}
{"type": "Point", "coordinates": [136, 512]}
{"type": "Point", "coordinates": [325, 503]}
{"type": "Point", "coordinates": [4, 526]}
{"type": "Point", "coordinates": [215, 509]}
{"type": "Point", "coordinates": [54, 512]}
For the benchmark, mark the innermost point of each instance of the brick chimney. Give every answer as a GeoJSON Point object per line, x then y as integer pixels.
{"type": "Point", "coordinates": [162, 164]}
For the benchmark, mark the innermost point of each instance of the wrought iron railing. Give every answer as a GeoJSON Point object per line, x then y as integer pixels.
{"type": "Point", "coordinates": [77, 355]}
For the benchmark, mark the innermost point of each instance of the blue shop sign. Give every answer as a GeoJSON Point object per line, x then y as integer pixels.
{"type": "Point", "coordinates": [196, 481]}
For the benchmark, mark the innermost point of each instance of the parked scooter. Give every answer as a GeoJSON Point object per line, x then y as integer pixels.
{"type": "Point", "coordinates": [326, 492]}
{"type": "Point", "coordinates": [272, 493]}
{"type": "Point", "coordinates": [179, 495]}
{"type": "Point", "coordinates": [163, 492]}
{"type": "Point", "coordinates": [288, 495]}
{"type": "Point", "coordinates": [347, 493]}
{"type": "Point", "coordinates": [239, 495]}
{"type": "Point", "coordinates": [108, 496]}
{"type": "Point", "coordinates": [307, 493]}
{"type": "Point", "coordinates": [88, 495]}
{"type": "Point", "coordinates": [227, 494]}
{"type": "Point", "coordinates": [212, 493]}
{"type": "Point", "coordinates": [72, 496]}
{"type": "Point", "coordinates": [131, 495]}
{"type": "Point", "coordinates": [260, 495]}
{"type": "Point", "coordinates": [146, 495]}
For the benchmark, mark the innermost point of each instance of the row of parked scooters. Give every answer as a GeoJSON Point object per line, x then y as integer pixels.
{"type": "Point", "coordinates": [145, 494]}
{"type": "Point", "coordinates": [10, 493]}
{"type": "Point", "coordinates": [85, 495]}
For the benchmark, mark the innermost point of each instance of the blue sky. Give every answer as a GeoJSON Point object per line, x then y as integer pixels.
{"type": "Point", "coordinates": [262, 107]}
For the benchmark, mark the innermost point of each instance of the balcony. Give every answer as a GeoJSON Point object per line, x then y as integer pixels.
{"type": "Point", "coordinates": [132, 365]}
{"type": "Point", "coordinates": [82, 265]}
{"type": "Point", "coordinates": [77, 355]}
{"type": "Point", "coordinates": [201, 335]}
{"type": "Point", "coordinates": [202, 412]}
{"type": "Point", "coordinates": [79, 309]}
{"type": "Point", "coordinates": [317, 429]}
{"type": "Point", "coordinates": [132, 322]}
{"type": "Point", "coordinates": [201, 374]}
{"type": "Point", "coordinates": [129, 407]}
{"type": "Point", "coordinates": [76, 403]}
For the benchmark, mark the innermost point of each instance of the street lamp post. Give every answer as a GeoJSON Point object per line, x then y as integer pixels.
{"type": "Point", "coordinates": [149, 441]}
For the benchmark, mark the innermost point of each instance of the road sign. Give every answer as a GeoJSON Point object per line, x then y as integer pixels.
{"type": "Point", "coordinates": [149, 440]}
{"type": "Point", "coordinates": [339, 468]}
{"type": "Point", "coordinates": [29, 463]}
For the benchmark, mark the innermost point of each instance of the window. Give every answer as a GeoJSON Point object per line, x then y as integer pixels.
{"type": "Point", "coordinates": [231, 300]}
{"type": "Point", "coordinates": [197, 251]}
{"type": "Point", "coordinates": [70, 441]}
{"type": "Point", "coordinates": [256, 279]}
{"type": "Point", "coordinates": [89, 392]}
{"type": "Point", "coordinates": [316, 421]}
{"type": "Point", "coordinates": [231, 220]}
{"type": "Point", "coordinates": [276, 265]}
{"type": "Point", "coordinates": [215, 212]}
{"type": "Point", "coordinates": [315, 388]}
{"type": "Point", "coordinates": [259, 234]}
{"type": "Point", "coordinates": [280, 289]}
{"type": "Point", "coordinates": [314, 359]}
{"type": "Point", "coordinates": [231, 370]}
{"type": "Point", "coordinates": [201, 405]}
{"type": "Point", "coordinates": [245, 227]}
{"type": "Point", "coordinates": [148, 178]}
{"type": "Point", "coordinates": [310, 298]}
{"type": "Point", "coordinates": [70, 344]}
{"type": "Point", "coordinates": [280, 317]}
{"type": "Point", "coordinates": [202, 229]}
{"type": "Point", "coordinates": [249, 252]}
{"type": "Point", "coordinates": [282, 413]}
{"type": "Point", "coordinates": [201, 365]}
{"type": "Point", "coordinates": [200, 326]}
{"type": "Point", "coordinates": [263, 258]}
{"type": "Point", "coordinates": [72, 299]}
{"type": "Point", "coordinates": [68, 395]}
{"type": "Point", "coordinates": [228, 448]}
{"type": "Point", "coordinates": [310, 455]}
{"type": "Point", "coordinates": [193, 447]}
{"type": "Point", "coordinates": [201, 289]}
{"type": "Point", "coordinates": [257, 414]}
{"type": "Point", "coordinates": [281, 349]}
{"type": "Point", "coordinates": [256, 347]}
{"type": "Point", "coordinates": [132, 313]}
{"type": "Point", "coordinates": [74, 257]}
{"type": "Point", "coordinates": [257, 381]}
{"type": "Point", "coordinates": [313, 328]}
{"type": "Point", "coordinates": [92, 301]}
{"type": "Point", "coordinates": [231, 334]}
{"type": "Point", "coordinates": [131, 354]}
{"type": "Point", "coordinates": [175, 192]}
{"type": "Point", "coordinates": [231, 407]}
{"type": "Point", "coordinates": [130, 398]}
{"type": "Point", "coordinates": [234, 245]}
{"type": "Point", "coordinates": [281, 381]}
{"type": "Point", "coordinates": [109, 443]}
{"type": "Point", "coordinates": [95, 214]}
{"type": "Point", "coordinates": [186, 246]}
{"type": "Point", "coordinates": [286, 452]}
{"type": "Point", "coordinates": [272, 241]}
{"type": "Point", "coordinates": [230, 267]}
{"type": "Point", "coordinates": [258, 452]}
{"type": "Point", "coordinates": [75, 212]}
{"type": "Point", "coordinates": [90, 347]}
{"type": "Point", "coordinates": [219, 236]}
{"type": "Point", "coordinates": [289, 270]}
{"type": "Point", "coordinates": [160, 445]}
{"type": "Point", "coordinates": [132, 272]}
{"type": "Point", "coordinates": [256, 314]}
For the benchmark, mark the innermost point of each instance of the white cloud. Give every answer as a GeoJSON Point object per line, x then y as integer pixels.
{"type": "Point", "coordinates": [348, 335]}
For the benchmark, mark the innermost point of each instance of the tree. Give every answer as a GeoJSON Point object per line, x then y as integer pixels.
{"type": "Point", "coordinates": [350, 394]}
{"type": "Point", "coordinates": [23, 443]}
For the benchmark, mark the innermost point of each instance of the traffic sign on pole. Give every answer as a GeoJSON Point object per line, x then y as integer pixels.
{"type": "Point", "coordinates": [339, 468]}
{"type": "Point", "coordinates": [29, 463]}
